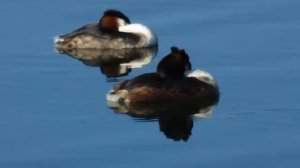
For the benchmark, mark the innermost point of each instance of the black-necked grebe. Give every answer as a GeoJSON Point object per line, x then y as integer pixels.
{"type": "Point", "coordinates": [114, 31]}
{"type": "Point", "coordinates": [173, 81]}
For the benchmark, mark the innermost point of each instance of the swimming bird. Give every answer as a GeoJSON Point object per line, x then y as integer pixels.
{"type": "Point", "coordinates": [173, 81]}
{"type": "Point", "coordinates": [113, 31]}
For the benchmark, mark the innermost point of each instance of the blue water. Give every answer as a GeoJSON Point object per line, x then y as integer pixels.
{"type": "Point", "coordinates": [53, 110]}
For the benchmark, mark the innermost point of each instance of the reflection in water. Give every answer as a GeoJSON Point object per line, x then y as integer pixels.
{"type": "Point", "coordinates": [113, 63]}
{"type": "Point", "coordinates": [175, 119]}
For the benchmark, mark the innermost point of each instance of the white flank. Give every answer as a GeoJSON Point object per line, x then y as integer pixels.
{"type": "Point", "coordinates": [203, 76]}
{"type": "Point", "coordinates": [150, 37]}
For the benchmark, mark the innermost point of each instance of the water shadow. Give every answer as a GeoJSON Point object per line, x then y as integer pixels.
{"type": "Point", "coordinates": [175, 119]}
{"type": "Point", "coordinates": [113, 63]}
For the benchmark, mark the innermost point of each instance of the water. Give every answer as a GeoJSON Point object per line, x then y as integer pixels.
{"type": "Point", "coordinates": [53, 107]}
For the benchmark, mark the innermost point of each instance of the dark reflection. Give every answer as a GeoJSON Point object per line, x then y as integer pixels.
{"type": "Point", "coordinates": [113, 63]}
{"type": "Point", "coordinates": [175, 119]}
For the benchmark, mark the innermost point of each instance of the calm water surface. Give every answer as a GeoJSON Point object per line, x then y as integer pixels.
{"type": "Point", "coordinates": [53, 109]}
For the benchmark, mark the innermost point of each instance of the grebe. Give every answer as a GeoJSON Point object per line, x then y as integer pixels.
{"type": "Point", "coordinates": [114, 31]}
{"type": "Point", "coordinates": [173, 81]}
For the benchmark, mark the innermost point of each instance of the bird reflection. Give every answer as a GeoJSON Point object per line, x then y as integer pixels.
{"type": "Point", "coordinates": [112, 62]}
{"type": "Point", "coordinates": [175, 119]}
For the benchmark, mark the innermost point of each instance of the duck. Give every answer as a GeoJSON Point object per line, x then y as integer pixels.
{"type": "Point", "coordinates": [113, 31]}
{"type": "Point", "coordinates": [173, 81]}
